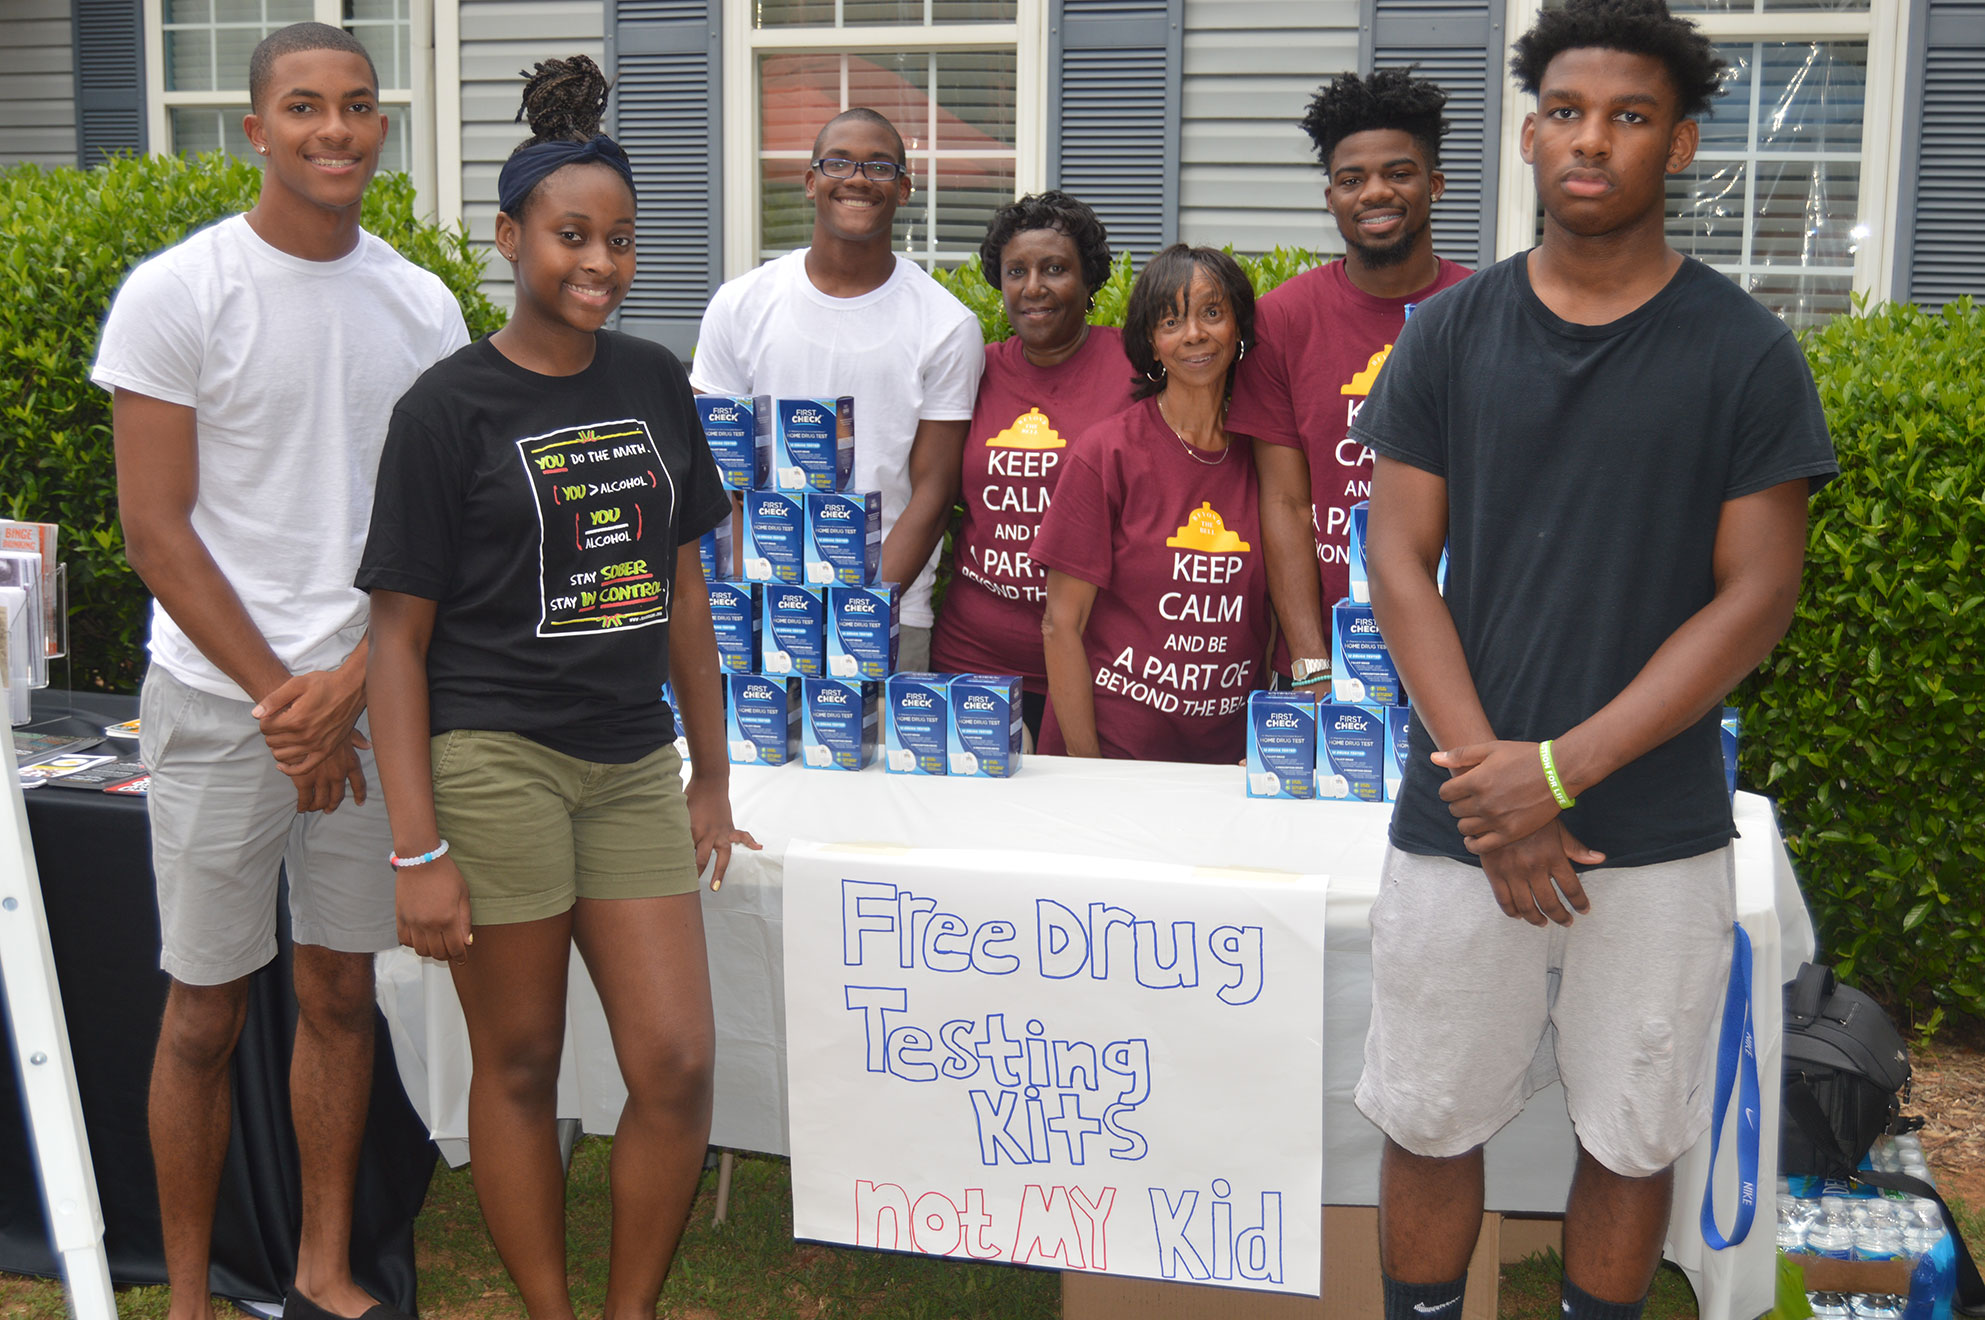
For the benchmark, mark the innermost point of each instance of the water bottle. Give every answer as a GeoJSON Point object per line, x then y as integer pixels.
{"type": "Point", "coordinates": [1878, 1237]}
{"type": "Point", "coordinates": [1874, 1306]}
{"type": "Point", "coordinates": [1934, 1280]}
{"type": "Point", "coordinates": [1791, 1227]}
{"type": "Point", "coordinates": [1832, 1235]}
{"type": "Point", "coordinates": [1828, 1306]}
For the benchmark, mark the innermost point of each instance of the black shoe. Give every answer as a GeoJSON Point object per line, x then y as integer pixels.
{"type": "Point", "coordinates": [298, 1307]}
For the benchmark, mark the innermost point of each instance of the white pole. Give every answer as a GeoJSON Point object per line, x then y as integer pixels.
{"type": "Point", "coordinates": [47, 1072]}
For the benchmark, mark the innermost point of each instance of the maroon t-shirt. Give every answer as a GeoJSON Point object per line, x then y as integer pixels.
{"type": "Point", "coordinates": [1173, 545]}
{"type": "Point", "coordinates": [1321, 341]}
{"type": "Point", "coordinates": [1026, 419]}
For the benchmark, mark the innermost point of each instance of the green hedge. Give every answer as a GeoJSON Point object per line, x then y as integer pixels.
{"type": "Point", "coordinates": [67, 238]}
{"type": "Point", "coordinates": [1864, 723]}
{"type": "Point", "coordinates": [969, 286]}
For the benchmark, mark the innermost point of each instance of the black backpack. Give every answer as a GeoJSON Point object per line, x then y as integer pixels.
{"type": "Point", "coordinates": [1846, 1080]}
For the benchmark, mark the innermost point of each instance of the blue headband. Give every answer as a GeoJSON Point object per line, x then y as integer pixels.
{"type": "Point", "coordinates": [528, 166]}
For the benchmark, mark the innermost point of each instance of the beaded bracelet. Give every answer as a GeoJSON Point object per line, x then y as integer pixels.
{"type": "Point", "coordinates": [1565, 800]}
{"type": "Point", "coordinates": [400, 863]}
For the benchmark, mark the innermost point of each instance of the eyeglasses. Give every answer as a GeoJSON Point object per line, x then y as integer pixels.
{"type": "Point", "coordinates": [875, 171]}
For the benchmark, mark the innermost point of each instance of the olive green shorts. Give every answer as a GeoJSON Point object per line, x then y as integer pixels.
{"type": "Point", "coordinates": [533, 829]}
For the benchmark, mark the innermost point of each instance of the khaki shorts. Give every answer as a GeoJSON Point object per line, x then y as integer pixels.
{"type": "Point", "coordinates": [533, 829]}
{"type": "Point", "coordinates": [1473, 1011]}
{"type": "Point", "coordinates": [224, 819]}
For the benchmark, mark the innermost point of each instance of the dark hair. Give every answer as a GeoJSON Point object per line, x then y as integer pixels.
{"type": "Point", "coordinates": [1389, 98]}
{"type": "Point", "coordinates": [1049, 210]}
{"type": "Point", "coordinates": [861, 114]}
{"type": "Point", "coordinates": [1161, 288]}
{"type": "Point", "coordinates": [564, 101]}
{"type": "Point", "coordinates": [1637, 27]}
{"type": "Point", "coordinates": [295, 39]}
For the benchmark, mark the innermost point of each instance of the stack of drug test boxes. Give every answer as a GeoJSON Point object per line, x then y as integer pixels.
{"type": "Point", "coordinates": [1352, 747]}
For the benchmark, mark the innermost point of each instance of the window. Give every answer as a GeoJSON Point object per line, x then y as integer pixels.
{"type": "Point", "coordinates": [960, 79]}
{"type": "Point", "coordinates": [1792, 192]}
{"type": "Point", "coordinates": [198, 51]}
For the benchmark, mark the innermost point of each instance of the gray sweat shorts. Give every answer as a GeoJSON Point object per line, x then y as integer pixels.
{"type": "Point", "coordinates": [1473, 1011]}
{"type": "Point", "coordinates": [224, 818]}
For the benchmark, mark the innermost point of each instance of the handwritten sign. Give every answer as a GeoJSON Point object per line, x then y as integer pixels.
{"type": "Point", "coordinates": [1062, 1061]}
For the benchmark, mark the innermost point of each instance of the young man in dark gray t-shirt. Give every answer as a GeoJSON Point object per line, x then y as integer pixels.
{"type": "Point", "coordinates": [1616, 445]}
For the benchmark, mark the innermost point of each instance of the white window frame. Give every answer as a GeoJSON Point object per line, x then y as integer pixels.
{"type": "Point", "coordinates": [1882, 26]}
{"type": "Point", "coordinates": [410, 110]}
{"type": "Point", "coordinates": [744, 44]}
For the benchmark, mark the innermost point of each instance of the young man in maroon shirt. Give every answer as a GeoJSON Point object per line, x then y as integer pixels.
{"type": "Point", "coordinates": [1324, 335]}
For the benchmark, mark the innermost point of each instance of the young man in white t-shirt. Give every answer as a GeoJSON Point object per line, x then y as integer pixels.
{"type": "Point", "coordinates": [847, 315]}
{"type": "Point", "coordinates": [254, 367]}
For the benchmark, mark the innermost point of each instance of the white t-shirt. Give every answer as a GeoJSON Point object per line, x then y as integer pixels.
{"type": "Point", "coordinates": [906, 351]}
{"type": "Point", "coordinates": [292, 368]}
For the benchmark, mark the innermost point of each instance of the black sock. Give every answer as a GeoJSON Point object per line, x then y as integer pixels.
{"type": "Point", "coordinates": [1423, 1301]}
{"type": "Point", "coordinates": [1582, 1305]}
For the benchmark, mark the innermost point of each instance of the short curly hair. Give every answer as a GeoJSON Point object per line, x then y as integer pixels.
{"type": "Point", "coordinates": [1637, 27]}
{"type": "Point", "coordinates": [1389, 98]}
{"type": "Point", "coordinates": [1054, 210]}
{"type": "Point", "coordinates": [1161, 288]}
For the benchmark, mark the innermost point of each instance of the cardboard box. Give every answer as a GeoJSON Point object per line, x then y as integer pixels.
{"type": "Point", "coordinates": [813, 443]}
{"type": "Point", "coordinates": [762, 719]}
{"type": "Point", "coordinates": [734, 610]}
{"type": "Point", "coordinates": [917, 733]}
{"type": "Point", "coordinates": [739, 431]}
{"type": "Point", "coordinates": [1282, 756]}
{"type": "Point", "coordinates": [794, 640]}
{"type": "Point", "coordinates": [864, 630]}
{"type": "Point", "coordinates": [774, 536]}
{"type": "Point", "coordinates": [985, 726]}
{"type": "Point", "coordinates": [1351, 753]}
{"type": "Point", "coordinates": [843, 537]}
{"type": "Point", "coordinates": [1361, 668]}
{"type": "Point", "coordinates": [839, 731]}
{"type": "Point", "coordinates": [1350, 1283]}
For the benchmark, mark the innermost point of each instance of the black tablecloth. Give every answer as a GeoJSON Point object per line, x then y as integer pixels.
{"type": "Point", "coordinates": [93, 852]}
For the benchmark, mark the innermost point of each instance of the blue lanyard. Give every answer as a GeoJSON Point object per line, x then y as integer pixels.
{"type": "Point", "coordinates": [1737, 1049]}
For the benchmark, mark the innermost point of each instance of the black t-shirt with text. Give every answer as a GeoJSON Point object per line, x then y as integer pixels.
{"type": "Point", "coordinates": [1586, 471]}
{"type": "Point", "coordinates": [542, 515]}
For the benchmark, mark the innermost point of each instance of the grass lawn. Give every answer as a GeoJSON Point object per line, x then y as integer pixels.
{"type": "Point", "coordinates": [751, 1269]}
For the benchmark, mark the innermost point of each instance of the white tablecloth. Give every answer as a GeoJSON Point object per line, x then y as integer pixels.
{"type": "Point", "coordinates": [1159, 812]}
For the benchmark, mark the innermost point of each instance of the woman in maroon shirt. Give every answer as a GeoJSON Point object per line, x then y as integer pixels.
{"type": "Point", "coordinates": [1157, 619]}
{"type": "Point", "coordinates": [1054, 380]}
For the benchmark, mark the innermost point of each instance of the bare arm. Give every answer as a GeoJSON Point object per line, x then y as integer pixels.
{"type": "Point", "coordinates": [158, 483]}
{"type": "Point", "coordinates": [936, 456]}
{"type": "Point", "coordinates": [1408, 531]}
{"type": "Point", "coordinates": [1288, 531]}
{"type": "Point", "coordinates": [1500, 793]}
{"type": "Point", "coordinates": [1071, 684]}
{"type": "Point", "coordinates": [695, 676]}
{"type": "Point", "coordinates": [431, 900]}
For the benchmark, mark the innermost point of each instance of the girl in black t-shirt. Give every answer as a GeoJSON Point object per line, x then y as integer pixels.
{"type": "Point", "coordinates": [528, 600]}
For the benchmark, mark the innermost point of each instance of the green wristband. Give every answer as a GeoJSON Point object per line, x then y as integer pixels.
{"type": "Point", "coordinates": [1565, 800]}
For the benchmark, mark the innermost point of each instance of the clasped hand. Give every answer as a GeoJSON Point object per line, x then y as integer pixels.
{"type": "Point", "coordinates": [1508, 817]}
{"type": "Point", "coordinates": [309, 723]}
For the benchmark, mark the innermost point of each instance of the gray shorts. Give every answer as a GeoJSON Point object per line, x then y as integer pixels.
{"type": "Point", "coordinates": [1473, 1011]}
{"type": "Point", "coordinates": [224, 818]}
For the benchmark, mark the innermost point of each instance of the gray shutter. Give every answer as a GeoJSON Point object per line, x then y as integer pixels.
{"type": "Point", "coordinates": [110, 79]}
{"type": "Point", "coordinates": [663, 56]}
{"type": "Point", "coordinates": [1460, 45]}
{"type": "Point", "coordinates": [1940, 255]}
{"type": "Point", "coordinates": [1113, 114]}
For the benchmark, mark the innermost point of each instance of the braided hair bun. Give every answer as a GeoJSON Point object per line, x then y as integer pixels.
{"type": "Point", "coordinates": [564, 100]}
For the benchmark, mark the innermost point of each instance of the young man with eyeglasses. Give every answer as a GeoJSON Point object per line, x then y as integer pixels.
{"type": "Point", "coordinates": [848, 315]}
{"type": "Point", "coordinates": [1324, 335]}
